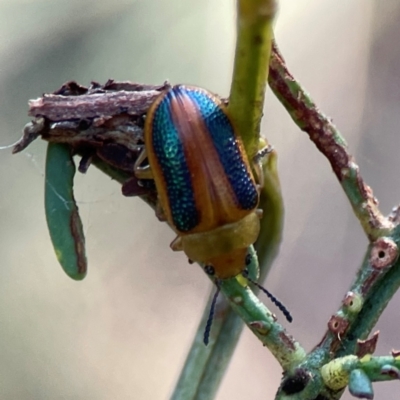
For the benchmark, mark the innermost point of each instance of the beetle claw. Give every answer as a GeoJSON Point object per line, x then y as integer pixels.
{"type": "Point", "coordinates": [142, 172]}
{"type": "Point", "coordinates": [262, 153]}
{"type": "Point", "coordinates": [160, 213]}
{"type": "Point", "coordinates": [258, 164]}
{"type": "Point", "coordinates": [176, 244]}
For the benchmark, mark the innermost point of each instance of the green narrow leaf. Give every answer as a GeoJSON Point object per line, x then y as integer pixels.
{"type": "Point", "coordinates": [62, 214]}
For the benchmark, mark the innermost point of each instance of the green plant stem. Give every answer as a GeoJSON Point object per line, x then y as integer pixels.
{"type": "Point", "coordinates": [205, 365]}
{"type": "Point", "coordinates": [379, 275]}
{"type": "Point", "coordinates": [253, 51]}
{"type": "Point", "coordinates": [356, 322]}
{"type": "Point", "coordinates": [374, 287]}
{"type": "Point", "coordinates": [383, 368]}
{"type": "Point", "coordinates": [271, 202]}
{"type": "Point", "coordinates": [262, 322]}
{"type": "Point", "coordinates": [329, 141]}
{"type": "Point", "coordinates": [375, 303]}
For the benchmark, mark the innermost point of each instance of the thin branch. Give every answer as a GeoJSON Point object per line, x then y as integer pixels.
{"type": "Point", "coordinates": [252, 54]}
{"type": "Point", "coordinates": [73, 101]}
{"type": "Point", "coordinates": [205, 366]}
{"type": "Point", "coordinates": [329, 141]}
{"type": "Point", "coordinates": [337, 373]}
{"type": "Point", "coordinates": [263, 323]}
{"type": "Point", "coordinates": [378, 277]}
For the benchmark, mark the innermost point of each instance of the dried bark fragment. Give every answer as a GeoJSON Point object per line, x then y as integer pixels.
{"type": "Point", "coordinates": [367, 346]}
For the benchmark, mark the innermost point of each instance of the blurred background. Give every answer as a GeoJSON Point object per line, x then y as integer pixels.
{"type": "Point", "coordinates": [123, 332]}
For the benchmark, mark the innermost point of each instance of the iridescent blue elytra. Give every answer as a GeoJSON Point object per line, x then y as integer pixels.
{"type": "Point", "coordinates": [170, 153]}
{"type": "Point", "coordinates": [183, 115]}
{"type": "Point", "coordinates": [225, 141]}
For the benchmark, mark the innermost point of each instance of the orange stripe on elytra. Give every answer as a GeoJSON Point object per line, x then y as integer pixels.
{"type": "Point", "coordinates": [215, 199]}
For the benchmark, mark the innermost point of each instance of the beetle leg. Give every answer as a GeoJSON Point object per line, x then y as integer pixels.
{"type": "Point", "coordinates": [176, 244]}
{"type": "Point", "coordinates": [142, 172]}
{"type": "Point", "coordinates": [160, 212]}
{"type": "Point", "coordinates": [258, 163]}
{"type": "Point", "coordinates": [259, 213]}
{"type": "Point", "coordinates": [147, 173]}
{"type": "Point", "coordinates": [135, 187]}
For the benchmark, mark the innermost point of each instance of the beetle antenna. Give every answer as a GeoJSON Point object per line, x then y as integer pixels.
{"type": "Point", "coordinates": [207, 330]}
{"type": "Point", "coordinates": [277, 302]}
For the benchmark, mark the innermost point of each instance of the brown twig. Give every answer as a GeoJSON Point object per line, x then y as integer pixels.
{"type": "Point", "coordinates": [329, 141]}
